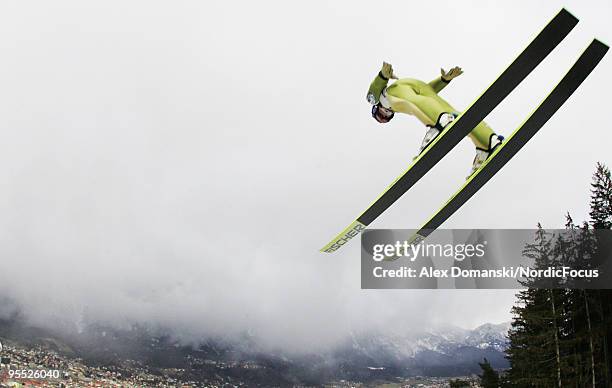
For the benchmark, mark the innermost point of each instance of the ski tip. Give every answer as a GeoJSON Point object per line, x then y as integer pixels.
{"type": "Point", "coordinates": [598, 49]}
{"type": "Point", "coordinates": [565, 13]}
{"type": "Point", "coordinates": [600, 43]}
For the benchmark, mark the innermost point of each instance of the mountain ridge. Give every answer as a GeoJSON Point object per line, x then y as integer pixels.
{"type": "Point", "coordinates": [436, 352]}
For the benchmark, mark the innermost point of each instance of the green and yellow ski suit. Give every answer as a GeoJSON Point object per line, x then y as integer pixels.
{"type": "Point", "coordinates": [420, 99]}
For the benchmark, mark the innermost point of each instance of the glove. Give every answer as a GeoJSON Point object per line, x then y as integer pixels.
{"type": "Point", "coordinates": [387, 71]}
{"type": "Point", "coordinates": [447, 76]}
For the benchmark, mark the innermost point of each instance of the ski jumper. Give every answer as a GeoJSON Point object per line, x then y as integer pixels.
{"type": "Point", "coordinates": [421, 100]}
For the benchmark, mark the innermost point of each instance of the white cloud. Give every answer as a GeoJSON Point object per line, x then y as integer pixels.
{"type": "Point", "coordinates": [182, 163]}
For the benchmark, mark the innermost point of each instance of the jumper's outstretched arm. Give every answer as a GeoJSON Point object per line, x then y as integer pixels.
{"type": "Point", "coordinates": [380, 82]}
{"type": "Point", "coordinates": [445, 77]}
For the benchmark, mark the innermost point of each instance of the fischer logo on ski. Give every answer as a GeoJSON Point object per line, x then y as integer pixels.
{"type": "Point", "coordinates": [353, 230]}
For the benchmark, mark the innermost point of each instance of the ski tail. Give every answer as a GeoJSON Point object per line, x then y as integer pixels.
{"type": "Point", "coordinates": [581, 69]}
{"type": "Point", "coordinates": [343, 237]}
{"type": "Point", "coordinates": [538, 49]}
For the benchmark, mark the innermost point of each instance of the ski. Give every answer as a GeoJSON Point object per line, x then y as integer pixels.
{"type": "Point", "coordinates": [539, 48]}
{"type": "Point", "coordinates": [511, 145]}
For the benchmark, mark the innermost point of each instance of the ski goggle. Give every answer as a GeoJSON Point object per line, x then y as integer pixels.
{"type": "Point", "coordinates": [382, 114]}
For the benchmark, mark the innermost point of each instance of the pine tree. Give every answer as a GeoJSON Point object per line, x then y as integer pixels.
{"type": "Point", "coordinates": [601, 218]}
{"type": "Point", "coordinates": [535, 353]}
{"type": "Point", "coordinates": [489, 377]}
{"type": "Point", "coordinates": [576, 248]}
{"type": "Point", "coordinates": [601, 198]}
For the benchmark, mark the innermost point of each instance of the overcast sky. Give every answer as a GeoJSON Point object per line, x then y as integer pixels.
{"type": "Point", "coordinates": [181, 163]}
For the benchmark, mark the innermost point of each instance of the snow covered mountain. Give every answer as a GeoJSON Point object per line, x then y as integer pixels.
{"type": "Point", "coordinates": [489, 336]}
{"type": "Point", "coordinates": [410, 344]}
{"type": "Point", "coordinates": [436, 352]}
